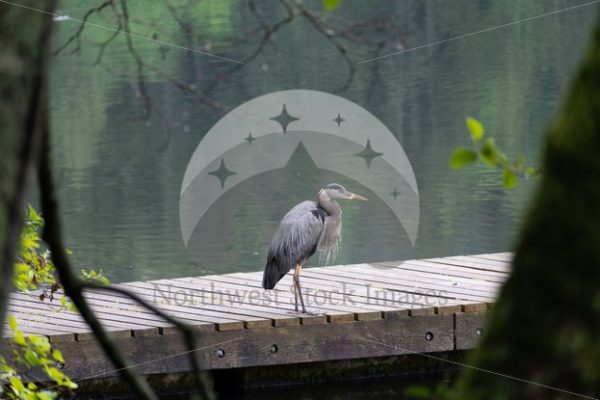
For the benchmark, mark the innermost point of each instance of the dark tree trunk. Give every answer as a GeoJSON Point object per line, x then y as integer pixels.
{"type": "Point", "coordinates": [24, 49]}
{"type": "Point", "coordinates": [545, 327]}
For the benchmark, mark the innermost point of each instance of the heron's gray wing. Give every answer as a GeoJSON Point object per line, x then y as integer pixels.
{"type": "Point", "coordinates": [297, 236]}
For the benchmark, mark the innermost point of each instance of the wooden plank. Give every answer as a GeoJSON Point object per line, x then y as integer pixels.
{"type": "Point", "coordinates": [30, 328]}
{"type": "Point", "coordinates": [255, 316]}
{"type": "Point", "coordinates": [191, 314]}
{"type": "Point", "coordinates": [489, 261]}
{"type": "Point", "coordinates": [476, 273]}
{"type": "Point", "coordinates": [295, 344]}
{"type": "Point", "coordinates": [116, 306]}
{"type": "Point", "coordinates": [117, 314]}
{"type": "Point", "coordinates": [393, 284]}
{"type": "Point", "coordinates": [498, 256]}
{"type": "Point", "coordinates": [46, 319]}
{"type": "Point", "coordinates": [447, 269]}
{"type": "Point", "coordinates": [337, 313]}
{"type": "Point", "coordinates": [437, 282]}
{"type": "Point", "coordinates": [58, 312]}
{"type": "Point", "coordinates": [469, 328]}
{"type": "Point", "coordinates": [493, 265]}
{"type": "Point", "coordinates": [363, 307]}
{"type": "Point", "coordinates": [334, 291]}
{"type": "Point", "coordinates": [446, 310]}
{"type": "Point", "coordinates": [348, 299]}
{"type": "Point", "coordinates": [476, 307]}
{"type": "Point", "coordinates": [202, 303]}
{"type": "Point", "coordinates": [465, 262]}
{"type": "Point", "coordinates": [434, 275]}
{"type": "Point", "coordinates": [331, 303]}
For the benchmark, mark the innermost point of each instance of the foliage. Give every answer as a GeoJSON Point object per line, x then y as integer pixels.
{"type": "Point", "coordinates": [331, 5]}
{"type": "Point", "coordinates": [34, 269]}
{"type": "Point", "coordinates": [486, 150]}
{"type": "Point", "coordinates": [97, 276]}
{"type": "Point", "coordinates": [33, 352]}
{"type": "Point", "coordinates": [439, 392]}
{"type": "Point", "coordinates": [544, 328]}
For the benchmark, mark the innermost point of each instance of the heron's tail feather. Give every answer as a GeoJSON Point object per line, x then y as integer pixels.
{"type": "Point", "coordinates": [273, 274]}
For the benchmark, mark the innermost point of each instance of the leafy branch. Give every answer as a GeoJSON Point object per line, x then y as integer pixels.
{"type": "Point", "coordinates": [33, 352]}
{"type": "Point", "coordinates": [485, 149]}
{"type": "Point", "coordinates": [34, 270]}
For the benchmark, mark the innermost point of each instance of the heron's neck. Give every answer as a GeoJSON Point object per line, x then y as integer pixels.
{"type": "Point", "coordinates": [332, 207]}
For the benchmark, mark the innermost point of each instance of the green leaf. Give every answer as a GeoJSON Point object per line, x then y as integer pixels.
{"type": "Point", "coordinates": [60, 378]}
{"type": "Point", "coordinates": [489, 152]}
{"type": "Point", "coordinates": [476, 129]}
{"type": "Point", "coordinates": [46, 395]}
{"type": "Point", "coordinates": [461, 157]}
{"type": "Point", "coordinates": [509, 179]}
{"type": "Point", "coordinates": [21, 268]}
{"type": "Point", "coordinates": [531, 172]}
{"type": "Point", "coordinates": [32, 358]}
{"type": "Point", "coordinates": [417, 392]}
{"type": "Point", "coordinates": [331, 5]}
{"type": "Point", "coordinates": [17, 384]}
{"type": "Point", "coordinates": [19, 339]}
{"type": "Point", "coordinates": [12, 322]}
{"type": "Point", "coordinates": [55, 374]}
{"type": "Point", "coordinates": [58, 356]}
{"type": "Point", "coordinates": [41, 342]}
{"type": "Point", "coordinates": [34, 216]}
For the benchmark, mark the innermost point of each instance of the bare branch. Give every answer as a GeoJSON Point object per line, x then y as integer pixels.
{"type": "Point", "coordinates": [72, 285]}
{"type": "Point", "coordinates": [112, 37]}
{"type": "Point", "coordinates": [202, 383]}
{"type": "Point", "coordinates": [322, 28]}
{"type": "Point", "coordinates": [77, 35]}
{"type": "Point", "coordinates": [268, 32]}
{"type": "Point", "coordinates": [30, 108]}
{"type": "Point", "coordinates": [137, 58]}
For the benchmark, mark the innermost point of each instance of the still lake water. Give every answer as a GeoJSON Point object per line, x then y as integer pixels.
{"type": "Point", "coordinates": [121, 170]}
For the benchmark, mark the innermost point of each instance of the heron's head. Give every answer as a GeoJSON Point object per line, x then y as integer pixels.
{"type": "Point", "coordinates": [335, 191]}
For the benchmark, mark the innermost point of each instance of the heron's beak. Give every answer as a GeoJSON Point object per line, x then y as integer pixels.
{"type": "Point", "coordinates": [354, 196]}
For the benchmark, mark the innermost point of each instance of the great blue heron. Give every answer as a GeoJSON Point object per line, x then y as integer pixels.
{"type": "Point", "coordinates": [306, 228]}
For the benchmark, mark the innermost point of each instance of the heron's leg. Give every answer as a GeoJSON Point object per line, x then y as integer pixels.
{"type": "Point", "coordinates": [298, 287]}
{"type": "Point", "coordinates": [295, 294]}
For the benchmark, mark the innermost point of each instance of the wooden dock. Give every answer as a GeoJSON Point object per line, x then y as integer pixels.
{"type": "Point", "coordinates": [360, 311]}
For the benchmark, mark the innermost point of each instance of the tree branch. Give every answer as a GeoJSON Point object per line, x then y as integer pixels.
{"type": "Point", "coordinates": [77, 35]}
{"type": "Point", "coordinates": [28, 109]}
{"type": "Point", "coordinates": [70, 282]}
{"type": "Point", "coordinates": [320, 26]}
{"type": "Point", "coordinates": [112, 37]}
{"type": "Point", "coordinates": [202, 383]}
{"type": "Point", "coordinates": [74, 287]}
{"type": "Point", "coordinates": [138, 59]}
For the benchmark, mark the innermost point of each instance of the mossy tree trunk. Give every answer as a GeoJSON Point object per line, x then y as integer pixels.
{"type": "Point", "coordinates": [545, 327]}
{"type": "Point", "coordinates": [24, 45]}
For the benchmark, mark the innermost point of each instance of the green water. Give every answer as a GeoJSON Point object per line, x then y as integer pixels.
{"type": "Point", "coordinates": [120, 170]}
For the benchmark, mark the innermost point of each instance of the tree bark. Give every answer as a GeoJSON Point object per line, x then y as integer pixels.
{"type": "Point", "coordinates": [545, 326]}
{"type": "Point", "coordinates": [24, 49]}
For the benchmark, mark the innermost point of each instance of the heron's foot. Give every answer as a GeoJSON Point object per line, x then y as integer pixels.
{"type": "Point", "coordinates": [313, 313]}
{"type": "Point", "coordinates": [304, 313]}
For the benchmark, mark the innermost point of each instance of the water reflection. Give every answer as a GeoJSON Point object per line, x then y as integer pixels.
{"type": "Point", "coordinates": [122, 169]}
